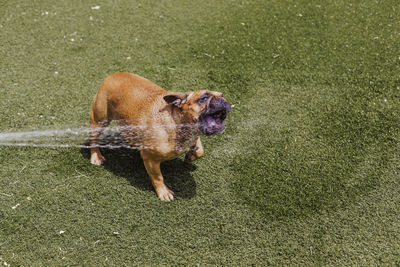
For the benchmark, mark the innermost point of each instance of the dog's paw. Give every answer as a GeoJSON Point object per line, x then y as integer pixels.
{"type": "Point", "coordinates": [164, 194]}
{"type": "Point", "coordinates": [96, 159]}
{"type": "Point", "coordinates": [191, 156]}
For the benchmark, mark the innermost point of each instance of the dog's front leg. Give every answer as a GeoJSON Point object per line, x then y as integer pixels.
{"type": "Point", "coordinates": [154, 172]}
{"type": "Point", "coordinates": [195, 151]}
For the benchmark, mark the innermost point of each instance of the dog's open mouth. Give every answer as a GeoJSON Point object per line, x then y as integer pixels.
{"type": "Point", "coordinates": [211, 121]}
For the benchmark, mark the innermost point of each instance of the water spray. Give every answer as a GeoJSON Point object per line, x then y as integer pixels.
{"type": "Point", "coordinates": [63, 138]}
{"type": "Point", "coordinates": [79, 137]}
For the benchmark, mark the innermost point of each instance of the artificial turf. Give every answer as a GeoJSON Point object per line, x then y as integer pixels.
{"type": "Point", "coordinates": [307, 172]}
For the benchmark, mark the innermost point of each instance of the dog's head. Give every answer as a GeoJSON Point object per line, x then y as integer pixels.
{"type": "Point", "coordinates": [205, 108]}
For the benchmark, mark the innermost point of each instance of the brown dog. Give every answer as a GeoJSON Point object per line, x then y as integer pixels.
{"type": "Point", "coordinates": [162, 124]}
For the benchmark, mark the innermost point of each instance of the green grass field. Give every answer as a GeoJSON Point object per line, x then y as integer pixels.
{"type": "Point", "coordinates": [307, 172]}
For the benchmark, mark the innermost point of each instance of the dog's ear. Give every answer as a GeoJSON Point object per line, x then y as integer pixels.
{"type": "Point", "coordinates": [176, 99]}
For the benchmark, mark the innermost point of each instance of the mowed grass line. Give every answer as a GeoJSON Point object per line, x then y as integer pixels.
{"type": "Point", "coordinates": [306, 173]}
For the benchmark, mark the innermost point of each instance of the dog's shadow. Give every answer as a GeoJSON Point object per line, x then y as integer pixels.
{"type": "Point", "coordinates": [126, 162]}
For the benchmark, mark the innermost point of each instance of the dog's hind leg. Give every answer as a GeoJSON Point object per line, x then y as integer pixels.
{"type": "Point", "coordinates": [98, 121]}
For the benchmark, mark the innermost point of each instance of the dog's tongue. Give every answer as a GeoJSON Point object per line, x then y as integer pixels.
{"type": "Point", "coordinates": [213, 127]}
{"type": "Point", "coordinates": [211, 121]}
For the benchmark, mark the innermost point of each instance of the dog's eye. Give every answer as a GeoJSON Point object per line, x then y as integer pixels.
{"type": "Point", "coordinates": [203, 99]}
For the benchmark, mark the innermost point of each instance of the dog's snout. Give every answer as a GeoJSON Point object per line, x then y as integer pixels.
{"type": "Point", "coordinates": [217, 102]}
{"type": "Point", "coordinates": [220, 103]}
